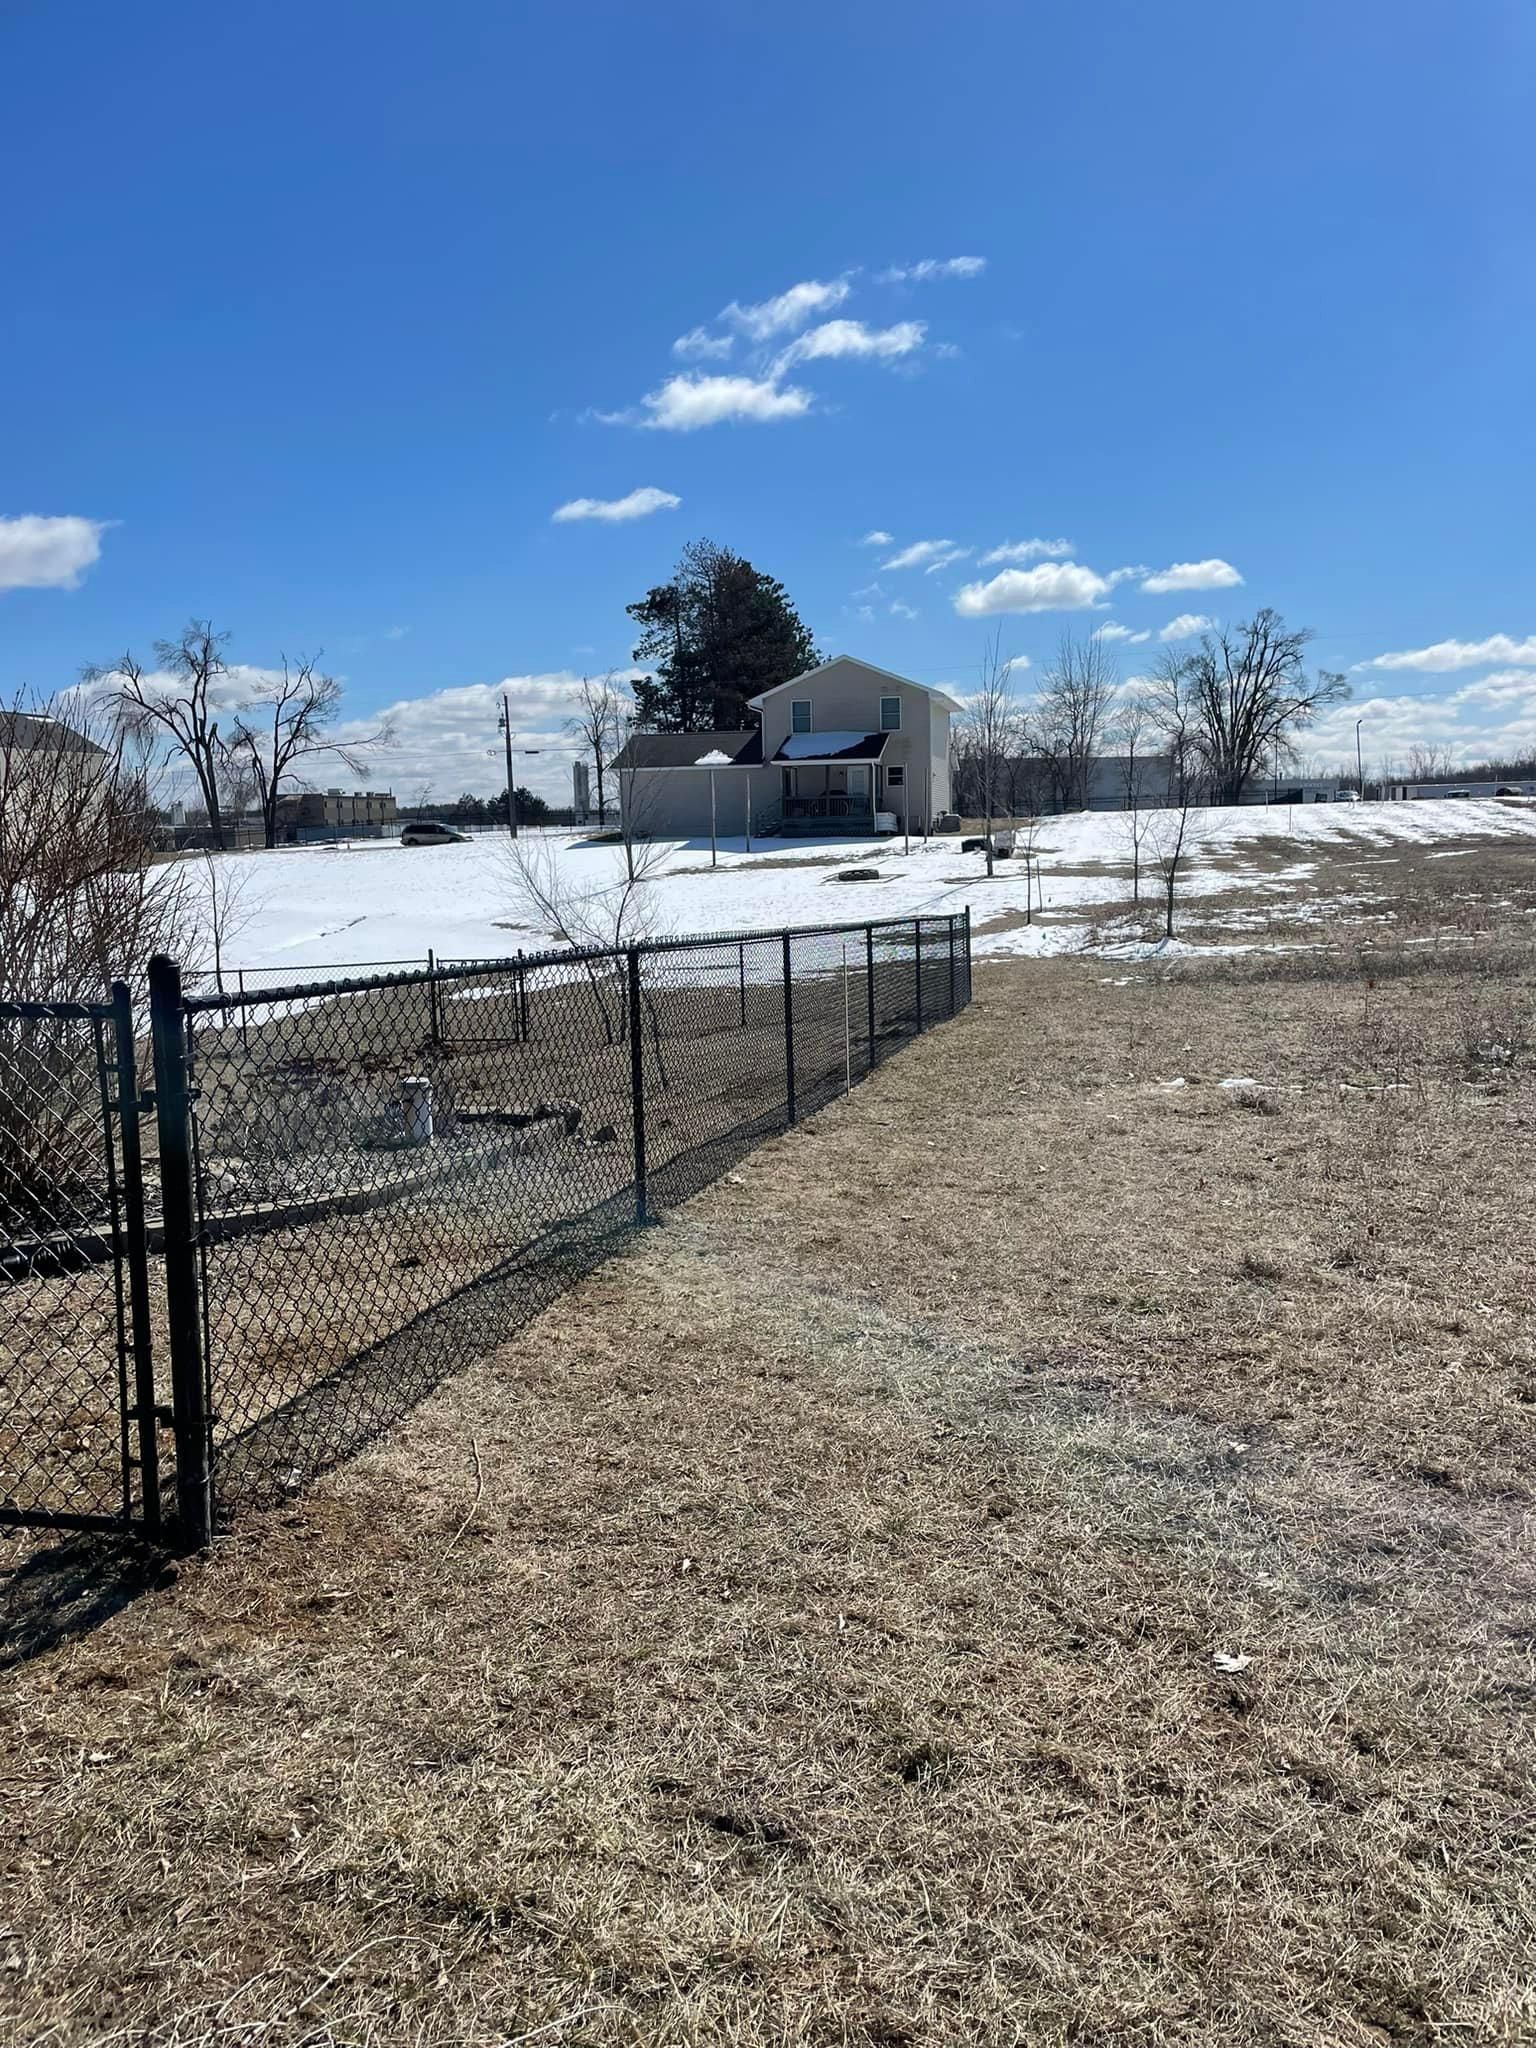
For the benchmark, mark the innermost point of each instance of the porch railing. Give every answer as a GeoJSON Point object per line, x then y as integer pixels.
{"type": "Point", "coordinates": [828, 806]}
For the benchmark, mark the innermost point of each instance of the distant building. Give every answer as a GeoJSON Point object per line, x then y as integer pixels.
{"type": "Point", "coordinates": [1418, 792]}
{"type": "Point", "coordinates": [314, 814]}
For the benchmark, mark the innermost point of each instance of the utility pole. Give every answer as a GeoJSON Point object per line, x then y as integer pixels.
{"type": "Point", "coordinates": [505, 723]}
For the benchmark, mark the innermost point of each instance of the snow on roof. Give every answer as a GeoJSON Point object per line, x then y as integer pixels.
{"type": "Point", "coordinates": [713, 759]}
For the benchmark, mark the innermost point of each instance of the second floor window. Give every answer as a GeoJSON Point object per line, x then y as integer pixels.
{"type": "Point", "coordinates": [890, 714]}
{"type": "Point", "coordinates": [799, 714]}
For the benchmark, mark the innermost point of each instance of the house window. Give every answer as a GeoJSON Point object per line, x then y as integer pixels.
{"type": "Point", "coordinates": [800, 714]}
{"type": "Point", "coordinates": [895, 777]}
{"type": "Point", "coordinates": [890, 714]}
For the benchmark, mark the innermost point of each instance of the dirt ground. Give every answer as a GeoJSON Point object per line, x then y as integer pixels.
{"type": "Point", "coordinates": [1040, 1553]}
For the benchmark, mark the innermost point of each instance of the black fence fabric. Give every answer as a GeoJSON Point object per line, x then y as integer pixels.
{"type": "Point", "coordinates": [77, 1431]}
{"type": "Point", "coordinates": [361, 1184]}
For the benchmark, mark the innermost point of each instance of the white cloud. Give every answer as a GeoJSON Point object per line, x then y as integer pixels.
{"type": "Point", "coordinates": [1493, 718]}
{"type": "Point", "coordinates": [877, 537]}
{"type": "Point", "coordinates": [396, 632]}
{"type": "Point", "coordinates": [1127, 575]}
{"type": "Point", "coordinates": [1017, 661]}
{"type": "Point", "coordinates": [870, 590]}
{"type": "Point", "coordinates": [1113, 630]}
{"type": "Point", "coordinates": [1214, 574]}
{"type": "Point", "coordinates": [851, 338]}
{"type": "Point", "coordinates": [447, 739]}
{"type": "Point", "coordinates": [926, 554]}
{"type": "Point", "coordinates": [47, 554]}
{"type": "Point", "coordinates": [932, 267]}
{"type": "Point", "coordinates": [903, 611]}
{"type": "Point", "coordinates": [1027, 551]}
{"type": "Point", "coordinates": [1051, 587]}
{"type": "Point", "coordinates": [791, 309]}
{"type": "Point", "coordinates": [685, 403]}
{"type": "Point", "coordinates": [242, 684]}
{"type": "Point", "coordinates": [698, 344]}
{"type": "Point", "coordinates": [1507, 686]}
{"type": "Point", "coordinates": [1186, 626]}
{"type": "Point", "coordinates": [1446, 655]}
{"type": "Point", "coordinates": [635, 506]}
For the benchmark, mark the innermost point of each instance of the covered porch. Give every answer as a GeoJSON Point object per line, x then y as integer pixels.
{"type": "Point", "coordinates": [832, 782]}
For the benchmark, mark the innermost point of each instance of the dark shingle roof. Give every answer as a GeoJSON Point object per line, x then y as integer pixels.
{"type": "Point", "coordinates": [684, 749]}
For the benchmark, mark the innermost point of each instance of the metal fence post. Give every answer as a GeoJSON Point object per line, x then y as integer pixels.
{"type": "Point", "coordinates": [522, 998]}
{"type": "Point", "coordinates": [245, 1015]}
{"type": "Point", "coordinates": [951, 965]}
{"type": "Point", "coordinates": [917, 966]}
{"type": "Point", "coordinates": [741, 968]}
{"type": "Point", "coordinates": [637, 1081]}
{"type": "Point", "coordinates": [869, 986]}
{"type": "Point", "coordinates": [173, 1116]}
{"type": "Point", "coordinates": [138, 1257]}
{"type": "Point", "coordinates": [789, 1034]}
{"type": "Point", "coordinates": [967, 953]}
{"type": "Point", "coordinates": [432, 1008]}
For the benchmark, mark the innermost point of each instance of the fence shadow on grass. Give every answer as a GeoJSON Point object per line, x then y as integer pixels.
{"type": "Point", "coordinates": [59, 1589]}
{"type": "Point", "coordinates": [353, 1406]}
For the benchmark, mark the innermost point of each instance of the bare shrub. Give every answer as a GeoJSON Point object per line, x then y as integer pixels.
{"type": "Point", "coordinates": [81, 905]}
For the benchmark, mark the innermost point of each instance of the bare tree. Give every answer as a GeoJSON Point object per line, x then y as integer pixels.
{"type": "Point", "coordinates": [179, 704]}
{"type": "Point", "coordinates": [599, 723]}
{"type": "Point", "coordinates": [991, 734]}
{"type": "Point", "coordinates": [224, 912]}
{"type": "Point", "coordinates": [292, 723]}
{"type": "Point", "coordinates": [1076, 693]}
{"type": "Point", "coordinates": [82, 903]}
{"type": "Point", "coordinates": [1430, 763]}
{"type": "Point", "coordinates": [596, 909]}
{"type": "Point", "coordinates": [1172, 835]}
{"type": "Point", "coordinates": [1131, 731]}
{"type": "Point", "coordinates": [1172, 700]}
{"type": "Point", "coordinates": [1246, 695]}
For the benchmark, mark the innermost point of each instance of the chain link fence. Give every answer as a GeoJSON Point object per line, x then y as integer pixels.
{"type": "Point", "coordinates": [77, 1427]}
{"type": "Point", "coordinates": [360, 1183]}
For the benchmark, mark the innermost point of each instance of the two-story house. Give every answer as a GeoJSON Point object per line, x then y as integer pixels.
{"type": "Point", "coordinates": [845, 748]}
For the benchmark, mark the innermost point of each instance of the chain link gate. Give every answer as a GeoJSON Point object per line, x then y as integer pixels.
{"type": "Point", "coordinates": [78, 1420]}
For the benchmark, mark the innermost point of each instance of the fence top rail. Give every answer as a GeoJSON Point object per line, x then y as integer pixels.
{"type": "Point", "coordinates": [465, 969]}
{"type": "Point", "coordinates": [76, 1012]}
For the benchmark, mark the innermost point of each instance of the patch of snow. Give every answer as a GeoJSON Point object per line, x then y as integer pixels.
{"type": "Point", "coordinates": [1240, 1081]}
{"type": "Point", "coordinates": [715, 758]}
{"type": "Point", "coordinates": [373, 902]}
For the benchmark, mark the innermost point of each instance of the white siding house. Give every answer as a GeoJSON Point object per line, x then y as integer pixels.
{"type": "Point", "coordinates": [845, 748]}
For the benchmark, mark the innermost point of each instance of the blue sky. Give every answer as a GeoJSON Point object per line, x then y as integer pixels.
{"type": "Point", "coordinates": [316, 315]}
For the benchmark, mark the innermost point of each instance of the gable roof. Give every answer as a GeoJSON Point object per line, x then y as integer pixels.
{"type": "Point", "coordinates": [687, 749]}
{"type": "Point", "coordinates": [26, 732]}
{"type": "Point", "coordinates": [810, 675]}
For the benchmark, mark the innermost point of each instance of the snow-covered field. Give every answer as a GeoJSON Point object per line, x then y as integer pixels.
{"type": "Point", "coordinates": [376, 901]}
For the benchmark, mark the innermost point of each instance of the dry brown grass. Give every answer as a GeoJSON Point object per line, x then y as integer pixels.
{"type": "Point", "coordinates": [804, 1633]}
